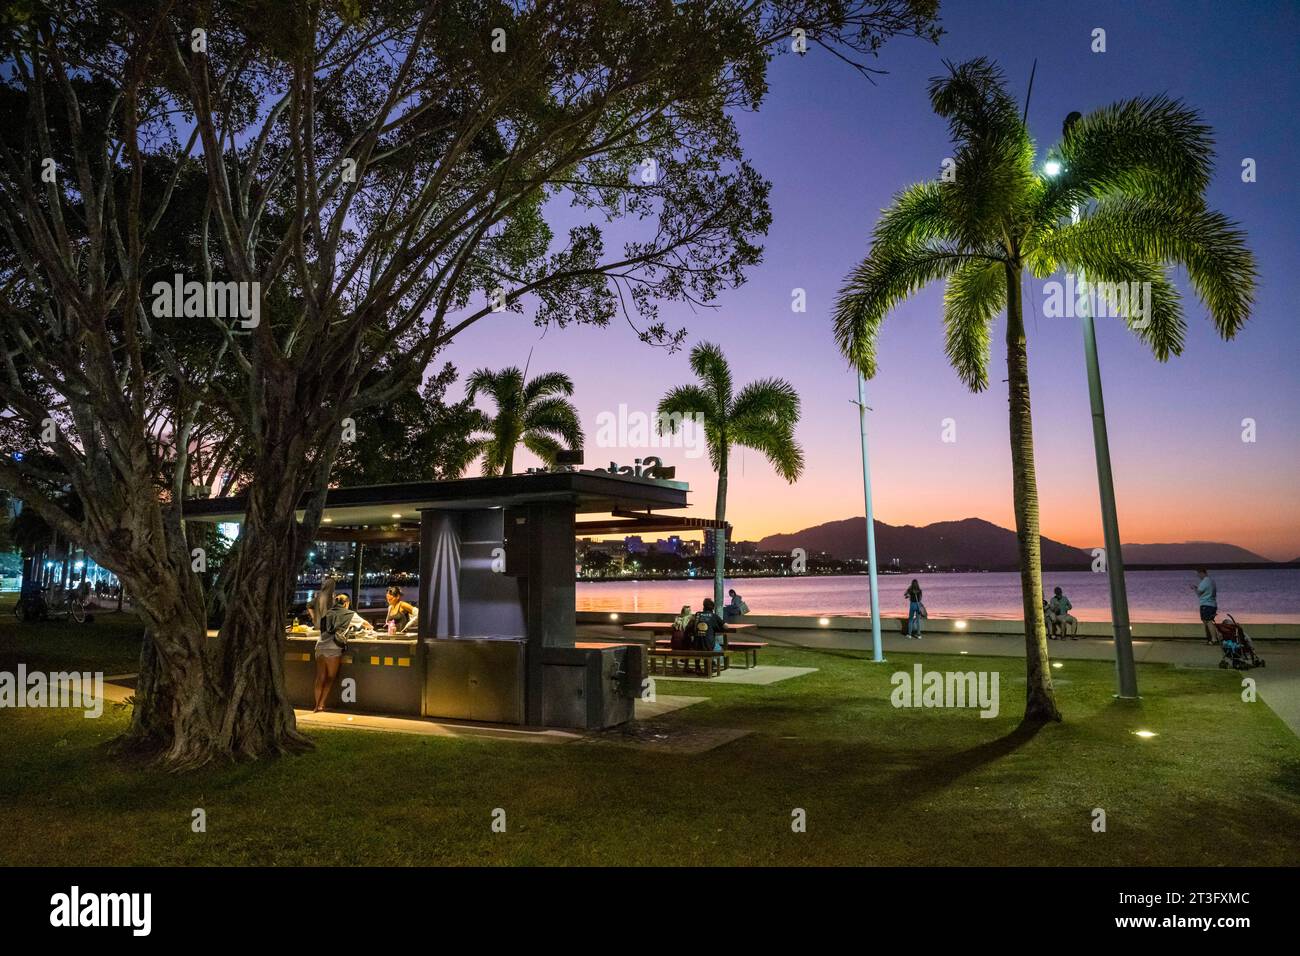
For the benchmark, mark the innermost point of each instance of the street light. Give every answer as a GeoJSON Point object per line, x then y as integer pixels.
{"type": "Point", "coordinates": [877, 654]}
{"type": "Point", "coordinates": [1125, 671]}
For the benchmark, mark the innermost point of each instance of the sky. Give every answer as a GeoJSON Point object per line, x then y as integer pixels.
{"type": "Point", "coordinates": [837, 148]}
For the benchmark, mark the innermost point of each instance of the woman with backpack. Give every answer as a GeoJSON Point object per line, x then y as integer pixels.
{"type": "Point", "coordinates": [914, 610]}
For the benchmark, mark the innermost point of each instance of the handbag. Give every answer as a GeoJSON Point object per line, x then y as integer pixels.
{"type": "Point", "coordinates": [924, 613]}
{"type": "Point", "coordinates": [329, 628]}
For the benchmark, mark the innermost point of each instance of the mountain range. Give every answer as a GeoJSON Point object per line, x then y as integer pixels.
{"type": "Point", "coordinates": [976, 543]}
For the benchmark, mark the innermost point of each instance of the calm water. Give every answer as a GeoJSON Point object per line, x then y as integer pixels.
{"type": "Point", "coordinates": [1258, 596]}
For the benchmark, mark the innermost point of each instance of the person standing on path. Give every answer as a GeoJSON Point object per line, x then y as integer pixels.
{"type": "Point", "coordinates": [1207, 594]}
{"type": "Point", "coordinates": [913, 595]}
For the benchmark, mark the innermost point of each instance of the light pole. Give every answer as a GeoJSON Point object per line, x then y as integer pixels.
{"type": "Point", "coordinates": [1125, 671]}
{"type": "Point", "coordinates": [876, 653]}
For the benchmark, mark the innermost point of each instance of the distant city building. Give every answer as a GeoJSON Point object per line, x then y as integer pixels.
{"type": "Point", "coordinates": [633, 544]}
{"type": "Point", "coordinates": [669, 545]}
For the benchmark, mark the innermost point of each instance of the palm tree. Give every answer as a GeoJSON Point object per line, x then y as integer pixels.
{"type": "Point", "coordinates": [1142, 163]}
{"type": "Point", "coordinates": [762, 417]}
{"type": "Point", "coordinates": [535, 412]}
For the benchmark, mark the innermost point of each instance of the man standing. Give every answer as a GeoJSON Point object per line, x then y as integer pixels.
{"type": "Point", "coordinates": [1207, 593]}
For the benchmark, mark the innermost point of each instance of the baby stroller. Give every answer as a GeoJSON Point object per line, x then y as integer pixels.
{"type": "Point", "coordinates": [1238, 649]}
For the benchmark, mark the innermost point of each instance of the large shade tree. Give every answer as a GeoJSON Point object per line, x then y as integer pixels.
{"type": "Point", "coordinates": [761, 416]}
{"type": "Point", "coordinates": [1139, 168]}
{"type": "Point", "coordinates": [533, 412]}
{"type": "Point", "coordinates": [375, 175]}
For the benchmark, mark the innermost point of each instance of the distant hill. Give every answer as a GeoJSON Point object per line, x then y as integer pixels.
{"type": "Point", "coordinates": [1211, 552]}
{"type": "Point", "coordinates": [970, 543]}
{"type": "Point", "coordinates": [976, 543]}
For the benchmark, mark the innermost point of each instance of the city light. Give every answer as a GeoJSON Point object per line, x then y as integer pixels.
{"type": "Point", "coordinates": [1144, 734]}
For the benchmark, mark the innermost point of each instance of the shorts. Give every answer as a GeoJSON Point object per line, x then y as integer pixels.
{"type": "Point", "coordinates": [328, 649]}
{"type": "Point", "coordinates": [1208, 612]}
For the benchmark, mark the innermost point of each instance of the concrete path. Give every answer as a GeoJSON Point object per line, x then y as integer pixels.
{"type": "Point", "coordinates": [1278, 683]}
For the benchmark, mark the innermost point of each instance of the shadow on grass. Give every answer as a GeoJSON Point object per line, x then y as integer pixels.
{"type": "Point", "coordinates": [912, 785]}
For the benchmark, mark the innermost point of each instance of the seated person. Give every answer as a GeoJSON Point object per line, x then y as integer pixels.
{"type": "Point", "coordinates": [1060, 610]}
{"type": "Point", "coordinates": [1053, 626]}
{"type": "Point", "coordinates": [400, 612]}
{"type": "Point", "coordinates": [709, 628]}
{"type": "Point", "coordinates": [735, 607]}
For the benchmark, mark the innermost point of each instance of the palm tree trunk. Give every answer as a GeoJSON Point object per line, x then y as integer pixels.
{"type": "Point", "coordinates": [720, 534]}
{"type": "Point", "coordinates": [1040, 699]}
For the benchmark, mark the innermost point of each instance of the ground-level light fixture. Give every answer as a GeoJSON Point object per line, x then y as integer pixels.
{"type": "Point", "coordinates": [396, 514]}
{"type": "Point", "coordinates": [1057, 664]}
{"type": "Point", "coordinates": [960, 625]}
{"type": "Point", "coordinates": [823, 621]}
{"type": "Point", "coordinates": [613, 617]}
{"type": "Point", "coordinates": [1144, 734]}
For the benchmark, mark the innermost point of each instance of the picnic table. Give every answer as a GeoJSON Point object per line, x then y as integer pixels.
{"type": "Point", "coordinates": [713, 661]}
{"type": "Point", "coordinates": [666, 627]}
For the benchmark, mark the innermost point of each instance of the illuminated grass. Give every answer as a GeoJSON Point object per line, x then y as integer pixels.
{"type": "Point", "coordinates": [1220, 784]}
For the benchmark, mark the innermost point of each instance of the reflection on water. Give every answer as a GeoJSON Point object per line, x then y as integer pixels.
{"type": "Point", "coordinates": [1256, 596]}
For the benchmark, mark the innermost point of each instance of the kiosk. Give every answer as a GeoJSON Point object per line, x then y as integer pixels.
{"type": "Point", "coordinates": [497, 597]}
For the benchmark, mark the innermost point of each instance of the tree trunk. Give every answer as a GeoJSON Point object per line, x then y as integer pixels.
{"type": "Point", "coordinates": [258, 720]}
{"type": "Point", "coordinates": [720, 534]}
{"type": "Point", "coordinates": [176, 717]}
{"type": "Point", "coordinates": [1040, 699]}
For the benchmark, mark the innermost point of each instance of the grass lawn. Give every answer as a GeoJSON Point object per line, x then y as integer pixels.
{"type": "Point", "coordinates": [1219, 785]}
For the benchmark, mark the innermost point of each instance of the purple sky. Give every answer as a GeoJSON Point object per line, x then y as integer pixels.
{"type": "Point", "coordinates": [837, 148]}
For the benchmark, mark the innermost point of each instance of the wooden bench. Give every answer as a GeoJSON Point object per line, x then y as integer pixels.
{"type": "Point", "coordinates": [748, 649]}
{"type": "Point", "coordinates": [666, 627]}
{"type": "Point", "coordinates": [712, 661]}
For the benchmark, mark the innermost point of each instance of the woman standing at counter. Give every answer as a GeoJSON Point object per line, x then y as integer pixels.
{"type": "Point", "coordinates": [321, 603]}
{"type": "Point", "coordinates": [329, 651]}
{"type": "Point", "coordinates": [400, 612]}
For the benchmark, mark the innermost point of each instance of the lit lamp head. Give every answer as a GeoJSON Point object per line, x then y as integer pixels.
{"type": "Point", "coordinates": [1052, 168]}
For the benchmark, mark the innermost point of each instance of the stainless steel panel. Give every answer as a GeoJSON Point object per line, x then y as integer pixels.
{"type": "Point", "coordinates": [564, 702]}
{"type": "Point", "coordinates": [475, 679]}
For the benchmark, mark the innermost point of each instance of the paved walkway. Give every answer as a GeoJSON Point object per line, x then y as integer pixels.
{"type": "Point", "coordinates": [1278, 683]}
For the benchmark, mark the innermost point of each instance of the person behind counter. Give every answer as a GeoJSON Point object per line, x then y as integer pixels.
{"type": "Point", "coordinates": [400, 612]}
{"type": "Point", "coordinates": [340, 620]}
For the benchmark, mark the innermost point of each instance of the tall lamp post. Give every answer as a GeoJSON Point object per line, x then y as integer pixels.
{"type": "Point", "coordinates": [1125, 670]}
{"type": "Point", "coordinates": [877, 654]}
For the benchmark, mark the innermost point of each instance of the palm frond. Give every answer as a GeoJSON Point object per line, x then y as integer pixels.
{"type": "Point", "coordinates": [974, 295]}
{"type": "Point", "coordinates": [710, 365]}
{"type": "Point", "coordinates": [543, 446]}
{"type": "Point", "coordinates": [767, 399]}
{"type": "Point", "coordinates": [550, 383]}
{"type": "Point", "coordinates": [553, 416]}
{"type": "Point", "coordinates": [1211, 247]}
{"type": "Point", "coordinates": [1151, 146]}
{"type": "Point", "coordinates": [879, 283]}
{"type": "Point", "coordinates": [774, 440]}
{"type": "Point", "coordinates": [917, 215]}
{"type": "Point", "coordinates": [684, 402]}
{"type": "Point", "coordinates": [1141, 294]}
